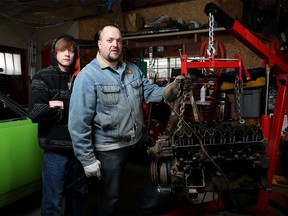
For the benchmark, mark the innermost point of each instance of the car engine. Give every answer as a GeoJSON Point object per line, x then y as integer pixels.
{"type": "Point", "coordinates": [227, 158]}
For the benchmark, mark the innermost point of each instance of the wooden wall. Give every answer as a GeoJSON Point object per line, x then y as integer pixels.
{"type": "Point", "coordinates": [188, 10]}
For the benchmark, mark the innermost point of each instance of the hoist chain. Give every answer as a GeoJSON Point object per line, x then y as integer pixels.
{"type": "Point", "coordinates": [238, 90]}
{"type": "Point", "coordinates": [211, 48]}
{"type": "Point", "coordinates": [151, 63]}
{"type": "Point", "coordinates": [181, 109]}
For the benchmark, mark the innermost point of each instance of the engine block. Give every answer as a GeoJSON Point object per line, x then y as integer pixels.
{"type": "Point", "coordinates": [228, 158]}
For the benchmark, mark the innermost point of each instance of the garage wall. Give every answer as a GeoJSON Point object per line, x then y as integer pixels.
{"type": "Point", "coordinates": [191, 10]}
{"type": "Point", "coordinates": [86, 29]}
{"type": "Point", "coordinates": [15, 35]}
{"type": "Point", "coordinates": [19, 36]}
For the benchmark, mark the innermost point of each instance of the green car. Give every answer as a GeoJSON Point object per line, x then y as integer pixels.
{"type": "Point", "coordinates": [20, 156]}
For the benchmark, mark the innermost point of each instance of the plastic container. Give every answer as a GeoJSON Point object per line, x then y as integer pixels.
{"type": "Point", "coordinates": [203, 94]}
{"type": "Point", "coordinates": [250, 103]}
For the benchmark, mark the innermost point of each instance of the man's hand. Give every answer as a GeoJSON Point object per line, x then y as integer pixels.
{"type": "Point", "coordinates": [181, 83]}
{"type": "Point", "coordinates": [172, 91]}
{"type": "Point", "coordinates": [93, 170]}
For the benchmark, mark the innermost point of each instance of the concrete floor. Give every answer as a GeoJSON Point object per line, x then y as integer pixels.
{"type": "Point", "coordinates": [134, 178]}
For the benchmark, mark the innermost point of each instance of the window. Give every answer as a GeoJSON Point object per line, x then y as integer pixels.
{"type": "Point", "coordinates": [163, 66]}
{"type": "Point", "coordinates": [10, 63]}
{"type": "Point", "coordinates": [14, 80]}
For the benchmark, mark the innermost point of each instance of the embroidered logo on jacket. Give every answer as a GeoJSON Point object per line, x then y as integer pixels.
{"type": "Point", "coordinates": [129, 71]}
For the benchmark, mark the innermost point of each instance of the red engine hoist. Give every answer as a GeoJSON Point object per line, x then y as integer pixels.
{"type": "Point", "coordinates": [271, 57]}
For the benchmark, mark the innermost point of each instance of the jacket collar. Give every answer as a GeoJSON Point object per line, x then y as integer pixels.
{"type": "Point", "coordinates": [103, 64]}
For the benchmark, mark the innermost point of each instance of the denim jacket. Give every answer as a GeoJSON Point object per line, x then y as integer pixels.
{"type": "Point", "coordinates": [106, 107]}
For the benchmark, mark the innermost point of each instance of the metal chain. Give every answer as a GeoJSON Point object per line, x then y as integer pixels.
{"type": "Point", "coordinates": [181, 110]}
{"type": "Point", "coordinates": [238, 90]}
{"type": "Point", "coordinates": [151, 64]}
{"type": "Point", "coordinates": [211, 48]}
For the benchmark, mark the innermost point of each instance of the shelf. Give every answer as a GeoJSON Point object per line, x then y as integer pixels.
{"type": "Point", "coordinates": [167, 34]}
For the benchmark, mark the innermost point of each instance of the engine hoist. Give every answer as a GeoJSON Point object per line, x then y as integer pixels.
{"type": "Point", "coordinates": [229, 158]}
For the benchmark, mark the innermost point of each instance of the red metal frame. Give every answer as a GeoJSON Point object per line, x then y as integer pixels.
{"type": "Point", "coordinates": [207, 63]}
{"type": "Point", "coordinates": [274, 136]}
{"type": "Point", "coordinates": [270, 56]}
{"type": "Point", "coordinates": [274, 58]}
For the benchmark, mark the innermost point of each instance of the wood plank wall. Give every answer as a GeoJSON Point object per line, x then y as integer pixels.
{"type": "Point", "coordinates": [191, 10]}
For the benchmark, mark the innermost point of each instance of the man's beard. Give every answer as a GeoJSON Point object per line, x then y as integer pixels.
{"type": "Point", "coordinates": [113, 59]}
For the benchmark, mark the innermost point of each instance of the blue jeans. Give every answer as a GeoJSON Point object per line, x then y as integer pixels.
{"type": "Point", "coordinates": [62, 175]}
{"type": "Point", "coordinates": [112, 166]}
